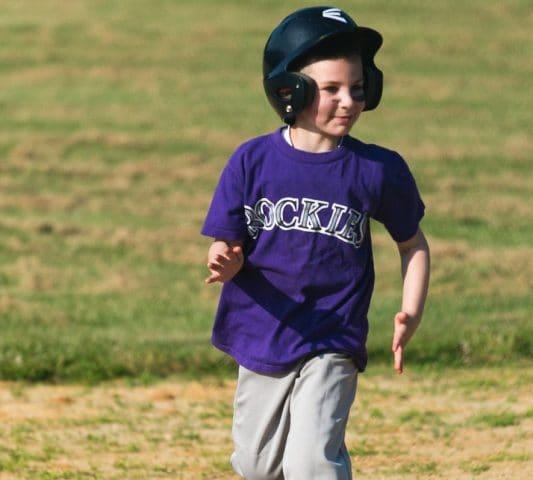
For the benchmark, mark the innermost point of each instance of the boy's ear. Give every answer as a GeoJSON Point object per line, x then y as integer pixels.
{"type": "Point", "coordinates": [289, 93]}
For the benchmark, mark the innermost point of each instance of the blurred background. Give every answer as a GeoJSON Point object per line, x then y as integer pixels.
{"type": "Point", "coordinates": [118, 116]}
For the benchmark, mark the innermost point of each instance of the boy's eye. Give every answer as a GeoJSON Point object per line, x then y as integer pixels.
{"type": "Point", "coordinates": [331, 89]}
{"type": "Point", "coordinates": [358, 92]}
{"type": "Point", "coordinates": [355, 90]}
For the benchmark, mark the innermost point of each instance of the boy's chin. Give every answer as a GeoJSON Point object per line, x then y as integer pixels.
{"type": "Point", "coordinates": [341, 130]}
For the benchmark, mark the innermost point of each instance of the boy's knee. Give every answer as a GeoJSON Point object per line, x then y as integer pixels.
{"type": "Point", "coordinates": [255, 467]}
{"type": "Point", "coordinates": [316, 464]}
{"type": "Point", "coordinates": [302, 465]}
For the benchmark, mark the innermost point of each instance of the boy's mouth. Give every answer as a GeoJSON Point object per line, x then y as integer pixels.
{"type": "Point", "coordinates": [344, 119]}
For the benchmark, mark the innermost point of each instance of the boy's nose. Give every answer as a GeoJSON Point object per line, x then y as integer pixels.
{"type": "Point", "coordinates": [346, 98]}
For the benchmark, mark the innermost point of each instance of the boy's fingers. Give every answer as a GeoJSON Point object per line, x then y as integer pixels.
{"type": "Point", "coordinates": [228, 257]}
{"type": "Point", "coordinates": [218, 262]}
{"type": "Point", "coordinates": [400, 321]}
{"type": "Point", "coordinates": [398, 359]}
{"type": "Point", "coordinates": [211, 279]}
{"type": "Point", "coordinates": [214, 266]}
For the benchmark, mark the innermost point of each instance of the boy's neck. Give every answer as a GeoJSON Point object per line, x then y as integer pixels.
{"type": "Point", "coordinates": [311, 142]}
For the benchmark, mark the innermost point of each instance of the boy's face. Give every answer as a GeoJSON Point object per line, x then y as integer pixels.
{"type": "Point", "coordinates": [339, 97]}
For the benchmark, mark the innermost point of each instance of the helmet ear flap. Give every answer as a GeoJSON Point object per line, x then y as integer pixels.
{"type": "Point", "coordinates": [373, 86]}
{"type": "Point", "coordinates": [289, 93]}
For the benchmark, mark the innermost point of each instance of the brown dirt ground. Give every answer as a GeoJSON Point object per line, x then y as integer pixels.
{"type": "Point", "coordinates": [460, 424]}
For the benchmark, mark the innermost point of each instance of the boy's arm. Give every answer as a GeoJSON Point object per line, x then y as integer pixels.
{"type": "Point", "coordinates": [224, 260]}
{"type": "Point", "coordinates": [415, 261]}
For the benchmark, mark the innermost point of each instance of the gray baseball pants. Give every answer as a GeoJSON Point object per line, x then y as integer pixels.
{"type": "Point", "coordinates": [291, 426]}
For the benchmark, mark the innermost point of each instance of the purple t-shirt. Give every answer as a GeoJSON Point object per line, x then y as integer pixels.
{"type": "Point", "coordinates": [304, 218]}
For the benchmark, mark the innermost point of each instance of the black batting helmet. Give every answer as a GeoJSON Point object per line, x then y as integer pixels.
{"type": "Point", "coordinates": [290, 92]}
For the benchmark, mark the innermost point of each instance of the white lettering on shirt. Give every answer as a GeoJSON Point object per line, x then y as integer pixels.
{"type": "Point", "coordinates": [307, 215]}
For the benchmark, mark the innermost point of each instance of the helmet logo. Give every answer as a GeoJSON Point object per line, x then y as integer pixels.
{"type": "Point", "coordinates": [334, 14]}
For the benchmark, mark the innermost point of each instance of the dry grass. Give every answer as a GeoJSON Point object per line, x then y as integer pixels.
{"type": "Point", "coordinates": [460, 424]}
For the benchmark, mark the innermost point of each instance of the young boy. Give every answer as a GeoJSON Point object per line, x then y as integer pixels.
{"type": "Point", "coordinates": [290, 219]}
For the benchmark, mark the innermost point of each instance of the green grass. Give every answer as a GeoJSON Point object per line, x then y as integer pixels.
{"type": "Point", "coordinates": [497, 420]}
{"type": "Point", "coordinates": [118, 116]}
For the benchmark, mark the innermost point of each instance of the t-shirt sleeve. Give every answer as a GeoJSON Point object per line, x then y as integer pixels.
{"type": "Point", "coordinates": [225, 218]}
{"type": "Point", "coordinates": [400, 208]}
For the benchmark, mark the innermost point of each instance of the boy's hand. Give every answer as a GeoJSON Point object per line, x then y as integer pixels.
{"type": "Point", "coordinates": [223, 261]}
{"type": "Point", "coordinates": [404, 327]}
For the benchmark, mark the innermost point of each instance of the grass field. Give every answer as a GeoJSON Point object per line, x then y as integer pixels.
{"type": "Point", "coordinates": [469, 424]}
{"type": "Point", "coordinates": [117, 118]}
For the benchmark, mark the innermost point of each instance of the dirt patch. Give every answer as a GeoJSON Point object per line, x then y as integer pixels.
{"type": "Point", "coordinates": [460, 424]}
